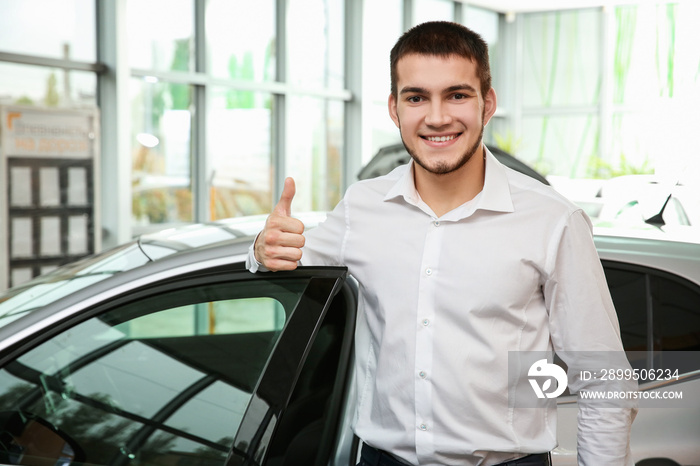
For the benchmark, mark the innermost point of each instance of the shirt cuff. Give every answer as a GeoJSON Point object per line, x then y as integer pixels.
{"type": "Point", "coordinates": [251, 263]}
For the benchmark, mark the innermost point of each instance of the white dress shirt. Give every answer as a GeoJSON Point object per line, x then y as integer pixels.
{"type": "Point", "coordinates": [444, 299]}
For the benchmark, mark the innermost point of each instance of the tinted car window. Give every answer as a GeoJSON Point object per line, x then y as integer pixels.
{"type": "Point", "coordinates": [657, 311]}
{"type": "Point", "coordinates": [164, 379]}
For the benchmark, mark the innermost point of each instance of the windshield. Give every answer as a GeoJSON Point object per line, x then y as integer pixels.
{"type": "Point", "coordinates": [68, 279]}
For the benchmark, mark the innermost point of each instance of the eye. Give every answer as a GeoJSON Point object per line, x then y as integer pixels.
{"type": "Point", "coordinates": [460, 96]}
{"type": "Point", "coordinates": [414, 99]}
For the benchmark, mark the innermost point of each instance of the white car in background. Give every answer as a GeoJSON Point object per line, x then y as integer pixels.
{"type": "Point", "coordinates": [631, 200]}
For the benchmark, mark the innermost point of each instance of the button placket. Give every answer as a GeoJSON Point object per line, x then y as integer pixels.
{"type": "Point", "coordinates": [425, 337]}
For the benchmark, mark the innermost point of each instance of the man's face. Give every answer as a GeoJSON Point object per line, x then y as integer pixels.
{"type": "Point", "coordinates": [440, 111]}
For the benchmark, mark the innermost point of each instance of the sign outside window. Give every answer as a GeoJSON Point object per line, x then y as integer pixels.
{"type": "Point", "coordinates": [48, 207]}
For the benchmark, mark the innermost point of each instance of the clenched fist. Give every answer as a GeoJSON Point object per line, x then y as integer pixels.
{"type": "Point", "coordinates": [278, 246]}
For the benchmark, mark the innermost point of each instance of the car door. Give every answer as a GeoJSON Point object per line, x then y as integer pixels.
{"type": "Point", "coordinates": [659, 318]}
{"type": "Point", "coordinates": [193, 370]}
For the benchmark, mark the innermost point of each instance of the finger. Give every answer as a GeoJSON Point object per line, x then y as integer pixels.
{"type": "Point", "coordinates": [278, 265]}
{"type": "Point", "coordinates": [284, 254]}
{"type": "Point", "coordinates": [275, 240]}
{"type": "Point", "coordinates": [290, 240]}
{"type": "Point", "coordinates": [284, 224]}
{"type": "Point", "coordinates": [284, 206]}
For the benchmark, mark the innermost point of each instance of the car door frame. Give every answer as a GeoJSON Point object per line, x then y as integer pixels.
{"type": "Point", "coordinates": [278, 378]}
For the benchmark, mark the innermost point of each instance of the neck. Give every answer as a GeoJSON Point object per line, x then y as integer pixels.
{"type": "Point", "coordinates": [443, 193]}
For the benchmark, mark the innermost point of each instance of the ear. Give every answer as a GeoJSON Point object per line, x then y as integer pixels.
{"type": "Point", "coordinates": [393, 110]}
{"type": "Point", "coordinates": [490, 103]}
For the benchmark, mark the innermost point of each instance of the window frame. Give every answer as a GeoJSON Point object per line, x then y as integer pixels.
{"type": "Point", "coordinates": [647, 273]}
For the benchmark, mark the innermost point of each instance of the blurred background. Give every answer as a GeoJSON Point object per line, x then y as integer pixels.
{"type": "Point", "coordinates": [196, 110]}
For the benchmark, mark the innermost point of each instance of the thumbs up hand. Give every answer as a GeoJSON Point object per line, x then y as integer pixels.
{"type": "Point", "coordinates": [278, 246]}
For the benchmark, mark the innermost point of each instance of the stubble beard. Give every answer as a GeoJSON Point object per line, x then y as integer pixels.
{"type": "Point", "coordinates": [443, 168]}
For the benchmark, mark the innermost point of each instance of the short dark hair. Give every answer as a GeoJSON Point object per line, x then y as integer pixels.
{"type": "Point", "coordinates": [442, 39]}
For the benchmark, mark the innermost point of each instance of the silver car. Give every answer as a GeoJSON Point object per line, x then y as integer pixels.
{"type": "Point", "coordinates": [167, 351]}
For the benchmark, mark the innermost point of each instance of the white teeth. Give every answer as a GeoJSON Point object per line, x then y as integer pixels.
{"type": "Point", "coordinates": [440, 138]}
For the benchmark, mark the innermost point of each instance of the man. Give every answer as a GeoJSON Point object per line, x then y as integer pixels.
{"type": "Point", "coordinates": [460, 261]}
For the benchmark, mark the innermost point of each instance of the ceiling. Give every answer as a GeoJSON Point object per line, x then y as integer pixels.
{"type": "Point", "coordinates": [519, 6]}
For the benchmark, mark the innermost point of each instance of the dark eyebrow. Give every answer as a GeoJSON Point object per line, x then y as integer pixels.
{"type": "Point", "coordinates": [413, 90]}
{"type": "Point", "coordinates": [459, 87]}
{"type": "Point", "coordinates": [456, 87]}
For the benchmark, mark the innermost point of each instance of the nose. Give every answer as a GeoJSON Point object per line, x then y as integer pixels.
{"type": "Point", "coordinates": [438, 114]}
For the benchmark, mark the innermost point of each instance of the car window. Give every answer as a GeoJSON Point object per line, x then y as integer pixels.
{"type": "Point", "coordinates": [163, 379]}
{"type": "Point", "coordinates": [657, 311]}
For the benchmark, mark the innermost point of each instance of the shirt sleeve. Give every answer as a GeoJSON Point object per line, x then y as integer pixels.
{"type": "Point", "coordinates": [323, 246]}
{"type": "Point", "coordinates": [585, 333]}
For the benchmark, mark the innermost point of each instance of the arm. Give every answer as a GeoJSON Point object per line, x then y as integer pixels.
{"type": "Point", "coordinates": [584, 327]}
{"type": "Point", "coordinates": [283, 245]}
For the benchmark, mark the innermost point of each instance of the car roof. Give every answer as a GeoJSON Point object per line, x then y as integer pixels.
{"type": "Point", "coordinates": [673, 256]}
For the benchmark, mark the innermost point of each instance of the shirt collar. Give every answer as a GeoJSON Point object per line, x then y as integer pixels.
{"type": "Point", "coordinates": [494, 196]}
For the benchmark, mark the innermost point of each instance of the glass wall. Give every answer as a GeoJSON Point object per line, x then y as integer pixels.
{"type": "Point", "coordinates": [655, 90]}
{"type": "Point", "coordinates": [237, 47]}
{"type": "Point", "coordinates": [597, 108]}
{"type": "Point", "coordinates": [46, 86]}
{"type": "Point", "coordinates": [161, 125]}
{"type": "Point", "coordinates": [561, 70]}
{"type": "Point", "coordinates": [219, 99]}
{"type": "Point", "coordinates": [62, 29]}
{"type": "Point", "coordinates": [227, 97]}
{"type": "Point", "coordinates": [382, 25]}
{"type": "Point", "coordinates": [239, 144]}
{"type": "Point", "coordinates": [274, 107]}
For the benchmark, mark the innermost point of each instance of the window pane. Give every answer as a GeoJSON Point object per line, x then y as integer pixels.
{"type": "Point", "coordinates": [315, 151]}
{"type": "Point", "coordinates": [239, 132]}
{"type": "Point", "coordinates": [46, 87]}
{"type": "Point", "coordinates": [656, 53]}
{"type": "Point", "coordinates": [433, 10]}
{"type": "Point", "coordinates": [561, 56]}
{"type": "Point", "coordinates": [382, 26]}
{"type": "Point", "coordinates": [485, 23]}
{"type": "Point", "coordinates": [160, 137]}
{"type": "Point", "coordinates": [628, 291]}
{"type": "Point", "coordinates": [315, 43]}
{"type": "Point", "coordinates": [676, 308]}
{"type": "Point", "coordinates": [49, 28]}
{"type": "Point", "coordinates": [562, 145]}
{"type": "Point", "coordinates": [161, 34]}
{"type": "Point", "coordinates": [656, 73]}
{"type": "Point", "coordinates": [238, 47]}
{"type": "Point", "coordinates": [133, 382]}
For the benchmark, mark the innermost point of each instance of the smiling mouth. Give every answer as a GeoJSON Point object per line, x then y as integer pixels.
{"type": "Point", "coordinates": [441, 138]}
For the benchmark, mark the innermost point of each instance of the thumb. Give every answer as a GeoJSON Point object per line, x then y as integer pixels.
{"type": "Point", "coordinates": [284, 206]}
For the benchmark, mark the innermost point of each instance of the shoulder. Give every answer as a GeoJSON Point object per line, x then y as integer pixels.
{"type": "Point", "coordinates": [528, 191]}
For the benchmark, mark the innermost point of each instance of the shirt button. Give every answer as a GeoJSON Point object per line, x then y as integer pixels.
{"type": "Point", "coordinates": [428, 272]}
{"type": "Point", "coordinates": [436, 223]}
{"type": "Point", "coordinates": [425, 322]}
{"type": "Point", "coordinates": [422, 374]}
{"type": "Point", "coordinates": [423, 427]}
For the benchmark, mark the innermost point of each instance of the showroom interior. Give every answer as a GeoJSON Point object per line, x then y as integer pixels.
{"type": "Point", "coordinates": [123, 117]}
